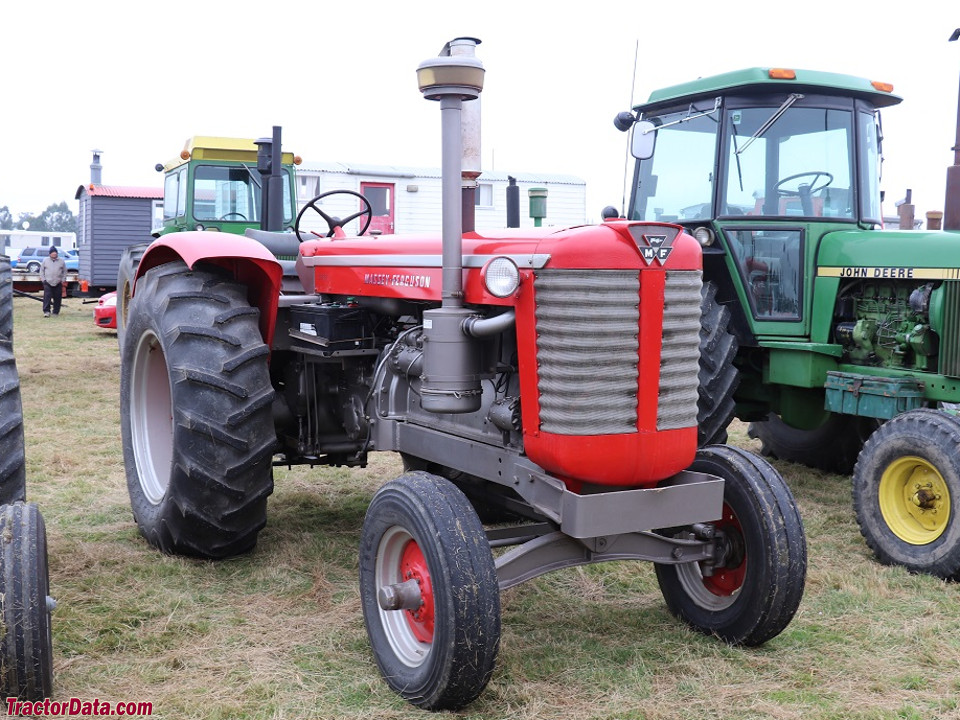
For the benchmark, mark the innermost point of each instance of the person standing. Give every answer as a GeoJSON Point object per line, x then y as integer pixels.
{"type": "Point", "coordinates": [53, 271]}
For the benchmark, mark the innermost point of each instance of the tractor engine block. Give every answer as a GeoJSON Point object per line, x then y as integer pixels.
{"type": "Point", "coordinates": [887, 324]}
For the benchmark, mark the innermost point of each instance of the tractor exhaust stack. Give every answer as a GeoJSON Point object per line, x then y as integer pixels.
{"type": "Point", "coordinates": [470, 138]}
{"type": "Point", "coordinates": [269, 157]}
{"type": "Point", "coordinates": [451, 375]}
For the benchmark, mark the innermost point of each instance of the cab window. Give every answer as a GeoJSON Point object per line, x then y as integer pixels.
{"type": "Point", "coordinates": [225, 194]}
{"type": "Point", "coordinates": [174, 194]}
{"type": "Point", "coordinates": [770, 262]}
{"type": "Point", "coordinates": [676, 184]}
{"type": "Point", "coordinates": [801, 165]}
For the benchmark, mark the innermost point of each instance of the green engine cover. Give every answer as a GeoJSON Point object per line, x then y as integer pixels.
{"type": "Point", "coordinates": [898, 302]}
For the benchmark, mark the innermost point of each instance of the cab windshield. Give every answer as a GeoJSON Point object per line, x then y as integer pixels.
{"type": "Point", "coordinates": [801, 166]}
{"type": "Point", "coordinates": [224, 193]}
{"type": "Point", "coordinates": [776, 160]}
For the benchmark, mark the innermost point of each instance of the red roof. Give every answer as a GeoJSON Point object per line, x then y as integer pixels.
{"type": "Point", "coordinates": [121, 192]}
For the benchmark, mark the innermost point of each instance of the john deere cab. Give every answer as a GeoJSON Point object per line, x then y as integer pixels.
{"type": "Point", "coordinates": [217, 183]}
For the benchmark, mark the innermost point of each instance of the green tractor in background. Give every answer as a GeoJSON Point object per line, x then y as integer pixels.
{"type": "Point", "coordinates": [838, 341]}
{"type": "Point", "coordinates": [217, 184]}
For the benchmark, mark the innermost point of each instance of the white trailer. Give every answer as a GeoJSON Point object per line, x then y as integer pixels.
{"type": "Point", "coordinates": [406, 200]}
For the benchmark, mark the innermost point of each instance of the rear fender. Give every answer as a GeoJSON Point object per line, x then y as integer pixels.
{"type": "Point", "coordinates": [247, 261]}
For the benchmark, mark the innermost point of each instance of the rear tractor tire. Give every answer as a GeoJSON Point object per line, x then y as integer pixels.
{"type": "Point", "coordinates": [6, 299]}
{"type": "Point", "coordinates": [754, 591]}
{"type": "Point", "coordinates": [13, 476]}
{"type": "Point", "coordinates": [718, 378]}
{"type": "Point", "coordinates": [429, 591]}
{"type": "Point", "coordinates": [26, 641]}
{"type": "Point", "coordinates": [196, 421]}
{"type": "Point", "coordinates": [832, 447]}
{"type": "Point", "coordinates": [906, 493]}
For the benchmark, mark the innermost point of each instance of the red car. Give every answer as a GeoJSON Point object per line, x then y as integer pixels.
{"type": "Point", "coordinates": [105, 313]}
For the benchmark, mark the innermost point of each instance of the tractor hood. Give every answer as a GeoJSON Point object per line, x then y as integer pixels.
{"type": "Point", "coordinates": [410, 267]}
{"type": "Point", "coordinates": [895, 255]}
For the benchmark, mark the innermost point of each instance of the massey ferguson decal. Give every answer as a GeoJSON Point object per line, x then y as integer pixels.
{"type": "Point", "coordinates": [397, 280]}
{"type": "Point", "coordinates": [655, 248]}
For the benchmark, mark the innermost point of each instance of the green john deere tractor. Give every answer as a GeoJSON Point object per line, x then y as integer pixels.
{"type": "Point", "coordinates": [847, 337]}
{"type": "Point", "coordinates": [216, 183]}
{"type": "Point", "coordinates": [231, 185]}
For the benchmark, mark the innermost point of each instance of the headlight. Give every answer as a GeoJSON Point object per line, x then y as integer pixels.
{"type": "Point", "coordinates": [704, 236]}
{"type": "Point", "coordinates": [501, 277]}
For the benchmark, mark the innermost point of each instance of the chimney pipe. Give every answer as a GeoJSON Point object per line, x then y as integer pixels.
{"type": "Point", "coordinates": [906, 212]}
{"type": "Point", "coordinates": [96, 168]}
{"type": "Point", "coordinates": [951, 203]}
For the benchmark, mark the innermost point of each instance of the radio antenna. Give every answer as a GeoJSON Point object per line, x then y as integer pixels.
{"type": "Point", "coordinates": [626, 158]}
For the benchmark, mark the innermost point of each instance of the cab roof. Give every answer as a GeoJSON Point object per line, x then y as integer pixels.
{"type": "Point", "coordinates": [220, 149]}
{"type": "Point", "coordinates": [761, 80]}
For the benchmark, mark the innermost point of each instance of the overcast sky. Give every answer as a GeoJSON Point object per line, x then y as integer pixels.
{"type": "Point", "coordinates": [135, 81]}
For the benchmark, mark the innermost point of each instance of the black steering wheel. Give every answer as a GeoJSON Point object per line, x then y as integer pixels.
{"type": "Point", "coordinates": [239, 215]}
{"type": "Point", "coordinates": [334, 222]}
{"type": "Point", "coordinates": [817, 174]}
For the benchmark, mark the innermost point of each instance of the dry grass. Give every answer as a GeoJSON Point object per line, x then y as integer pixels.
{"type": "Point", "coordinates": [279, 634]}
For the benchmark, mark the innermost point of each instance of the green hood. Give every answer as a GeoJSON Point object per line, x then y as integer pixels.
{"type": "Point", "coordinates": [896, 254]}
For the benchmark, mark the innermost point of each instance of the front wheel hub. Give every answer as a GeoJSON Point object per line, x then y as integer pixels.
{"type": "Point", "coordinates": [914, 500]}
{"type": "Point", "coordinates": [400, 596]}
{"type": "Point", "coordinates": [731, 566]}
{"type": "Point", "coordinates": [413, 567]}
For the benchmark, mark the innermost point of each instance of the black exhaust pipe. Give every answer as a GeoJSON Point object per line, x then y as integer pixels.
{"type": "Point", "coordinates": [513, 203]}
{"type": "Point", "coordinates": [269, 163]}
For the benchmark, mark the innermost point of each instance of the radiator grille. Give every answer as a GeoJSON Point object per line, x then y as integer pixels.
{"type": "Point", "coordinates": [587, 325]}
{"type": "Point", "coordinates": [680, 351]}
{"type": "Point", "coordinates": [950, 332]}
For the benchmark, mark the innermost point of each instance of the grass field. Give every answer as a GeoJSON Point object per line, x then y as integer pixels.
{"type": "Point", "coordinates": [279, 633]}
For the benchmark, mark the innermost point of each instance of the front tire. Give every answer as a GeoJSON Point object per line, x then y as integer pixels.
{"type": "Point", "coordinates": [752, 595]}
{"type": "Point", "coordinates": [26, 646]}
{"type": "Point", "coordinates": [440, 654]}
{"type": "Point", "coordinates": [195, 393]}
{"type": "Point", "coordinates": [906, 493]}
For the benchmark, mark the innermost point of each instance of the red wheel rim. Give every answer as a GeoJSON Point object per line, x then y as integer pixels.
{"type": "Point", "coordinates": [727, 580]}
{"type": "Point", "coordinates": [413, 565]}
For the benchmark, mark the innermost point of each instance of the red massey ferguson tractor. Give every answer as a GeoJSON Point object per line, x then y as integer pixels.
{"type": "Point", "coordinates": [549, 377]}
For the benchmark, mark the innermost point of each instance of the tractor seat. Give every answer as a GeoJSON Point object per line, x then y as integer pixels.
{"type": "Point", "coordinates": [285, 247]}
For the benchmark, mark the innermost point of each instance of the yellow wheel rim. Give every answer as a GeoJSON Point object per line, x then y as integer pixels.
{"type": "Point", "coordinates": [914, 500]}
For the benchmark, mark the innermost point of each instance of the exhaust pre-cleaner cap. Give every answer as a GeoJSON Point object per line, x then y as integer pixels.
{"type": "Point", "coordinates": [460, 75]}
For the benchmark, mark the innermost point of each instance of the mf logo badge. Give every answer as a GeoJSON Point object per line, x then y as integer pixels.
{"type": "Point", "coordinates": [654, 241]}
{"type": "Point", "coordinates": [655, 247]}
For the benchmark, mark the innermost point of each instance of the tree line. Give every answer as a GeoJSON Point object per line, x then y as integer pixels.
{"type": "Point", "coordinates": [56, 218]}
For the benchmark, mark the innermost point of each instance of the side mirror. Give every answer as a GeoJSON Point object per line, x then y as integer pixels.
{"type": "Point", "coordinates": [644, 135]}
